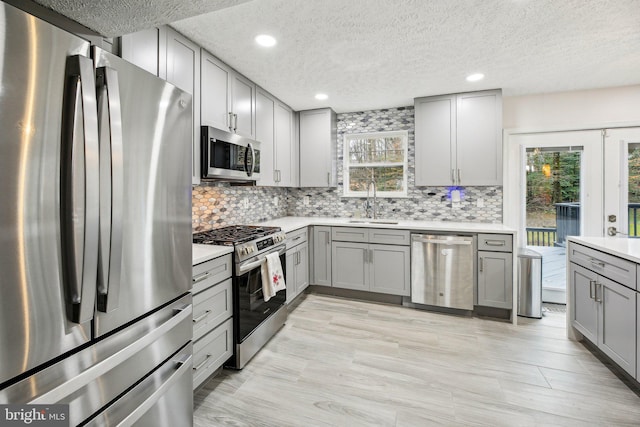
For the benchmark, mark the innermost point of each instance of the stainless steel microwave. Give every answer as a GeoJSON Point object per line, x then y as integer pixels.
{"type": "Point", "coordinates": [228, 157]}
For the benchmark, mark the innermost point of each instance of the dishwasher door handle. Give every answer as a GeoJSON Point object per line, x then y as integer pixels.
{"type": "Point", "coordinates": [444, 242]}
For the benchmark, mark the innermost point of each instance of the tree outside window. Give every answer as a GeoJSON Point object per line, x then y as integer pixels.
{"type": "Point", "coordinates": [379, 156]}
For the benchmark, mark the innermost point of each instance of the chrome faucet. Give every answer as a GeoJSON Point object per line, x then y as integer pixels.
{"type": "Point", "coordinates": [371, 211]}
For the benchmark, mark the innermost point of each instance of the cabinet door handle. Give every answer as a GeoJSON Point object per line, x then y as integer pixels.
{"type": "Point", "coordinates": [201, 277]}
{"type": "Point", "coordinates": [329, 178]}
{"type": "Point", "coordinates": [459, 177]}
{"type": "Point", "coordinates": [494, 242]}
{"type": "Point", "coordinates": [596, 263]}
{"type": "Point", "coordinates": [365, 256]}
{"type": "Point", "coordinates": [202, 316]}
{"type": "Point", "coordinates": [591, 286]}
{"type": "Point", "coordinates": [481, 264]}
{"type": "Point", "coordinates": [235, 122]}
{"type": "Point", "coordinates": [453, 178]}
{"type": "Point", "coordinates": [371, 256]}
{"type": "Point", "coordinates": [201, 364]}
{"type": "Point", "coordinates": [230, 121]}
{"type": "Point", "coordinates": [598, 285]}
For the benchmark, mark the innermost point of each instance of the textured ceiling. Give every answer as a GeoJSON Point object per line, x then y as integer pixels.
{"type": "Point", "coordinates": [368, 54]}
{"type": "Point", "coordinates": [117, 17]}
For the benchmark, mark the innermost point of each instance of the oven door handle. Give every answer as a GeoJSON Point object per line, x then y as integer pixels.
{"type": "Point", "coordinates": [243, 268]}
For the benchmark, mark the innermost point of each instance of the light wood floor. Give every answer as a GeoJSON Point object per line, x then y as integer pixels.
{"type": "Point", "coordinates": [347, 363]}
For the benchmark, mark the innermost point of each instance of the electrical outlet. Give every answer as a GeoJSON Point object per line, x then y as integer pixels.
{"type": "Point", "coordinates": [275, 200]}
{"type": "Point", "coordinates": [306, 200]}
{"type": "Point", "coordinates": [245, 203]}
{"type": "Point", "coordinates": [480, 203]}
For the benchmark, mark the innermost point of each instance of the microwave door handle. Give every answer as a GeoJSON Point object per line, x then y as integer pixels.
{"type": "Point", "coordinates": [111, 188]}
{"type": "Point", "coordinates": [79, 186]}
{"type": "Point", "coordinates": [246, 162]}
{"type": "Point", "coordinates": [253, 159]}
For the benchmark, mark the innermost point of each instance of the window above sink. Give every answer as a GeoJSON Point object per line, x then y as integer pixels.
{"type": "Point", "coordinates": [380, 157]}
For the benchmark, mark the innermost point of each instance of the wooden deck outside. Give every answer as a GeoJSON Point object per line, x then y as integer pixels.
{"type": "Point", "coordinates": [554, 266]}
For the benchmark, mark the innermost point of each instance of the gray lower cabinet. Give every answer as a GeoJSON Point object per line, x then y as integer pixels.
{"type": "Point", "coordinates": [212, 317]}
{"type": "Point", "coordinates": [495, 279]}
{"type": "Point", "coordinates": [321, 259]}
{"type": "Point", "coordinates": [585, 307]}
{"type": "Point", "coordinates": [368, 266]}
{"type": "Point", "coordinates": [350, 267]}
{"type": "Point", "coordinates": [390, 269]}
{"type": "Point", "coordinates": [603, 310]}
{"type": "Point", "coordinates": [297, 263]}
{"type": "Point", "coordinates": [637, 337]}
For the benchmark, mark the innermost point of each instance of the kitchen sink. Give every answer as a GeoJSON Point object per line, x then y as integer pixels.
{"type": "Point", "coordinates": [372, 221]}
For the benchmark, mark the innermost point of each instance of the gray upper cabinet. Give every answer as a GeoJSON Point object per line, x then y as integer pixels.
{"type": "Point", "coordinates": [284, 145]}
{"type": "Point", "coordinates": [274, 130]}
{"type": "Point", "coordinates": [265, 133]}
{"type": "Point", "coordinates": [169, 55]}
{"type": "Point", "coordinates": [216, 90]}
{"type": "Point", "coordinates": [243, 106]}
{"type": "Point", "coordinates": [228, 99]}
{"type": "Point", "coordinates": [183, 70]}
{"type": "Point", "coordinates": [459, 139]}
{"type": "Point", "coordinates": [143, 49]}
{"type": "Point", "coordinates": [318, 148]}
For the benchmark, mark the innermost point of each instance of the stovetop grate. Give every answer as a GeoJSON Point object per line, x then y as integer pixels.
{"type": "Point", "coordinates": [233, 234]}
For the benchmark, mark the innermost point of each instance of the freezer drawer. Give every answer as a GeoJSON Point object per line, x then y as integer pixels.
{"type": "Point", "coordinates": [442, 270]}
{"type": "Point", "coordinates": [93, 377]}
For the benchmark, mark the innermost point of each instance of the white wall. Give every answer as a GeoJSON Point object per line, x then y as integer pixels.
{"type": "Point", "coordinates": [572, 110]}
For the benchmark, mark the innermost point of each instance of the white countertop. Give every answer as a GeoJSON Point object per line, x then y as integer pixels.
{"type": "Point", "coordinates": [202, 253]}
{"type": "Point", "coordinates": [622, 247]}
{"type": "Point", "coordinates": [291, 223]}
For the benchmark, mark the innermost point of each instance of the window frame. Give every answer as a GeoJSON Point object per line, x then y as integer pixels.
{"type": "Point", "coordinates": [346, 164]}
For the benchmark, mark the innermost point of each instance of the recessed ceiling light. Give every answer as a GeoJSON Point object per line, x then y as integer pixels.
{"type": "Point", "coordinates": [321, 96]}
{"type": "Point", "coordinates": [475, 77]}
{"type": "Point", "coordinates": [265, 40]}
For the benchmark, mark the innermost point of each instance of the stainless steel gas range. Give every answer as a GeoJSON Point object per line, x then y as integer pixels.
{"type": "Point", "coordinates": [254, 320]}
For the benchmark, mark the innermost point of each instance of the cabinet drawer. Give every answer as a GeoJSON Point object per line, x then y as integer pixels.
{"type": "Point", "coordinates": [612, 267]}
{"type": "Point", "coordinates": [211, 351]}
{"type": "Point", "coordinates": [495, 242]}
{"type": "Point", "coordinates": [211, 272]}
{"type": "Point", "coordinates": [211, 307]}
{"type": "Point", "coordinates": [350, 234]}
{"type": "Point", "coordinates": [389, 237]}
{"type": "Point", "coordinates": [294, 238]}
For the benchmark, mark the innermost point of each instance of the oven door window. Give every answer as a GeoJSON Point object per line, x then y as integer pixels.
{"type": "Point", "coordinates": [253, 310]}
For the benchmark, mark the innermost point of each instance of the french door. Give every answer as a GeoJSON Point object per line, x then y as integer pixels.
{"type": "Point", "coordinates": [622, 182]}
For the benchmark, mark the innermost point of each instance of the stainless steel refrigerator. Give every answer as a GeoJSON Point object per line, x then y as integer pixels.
{"type": "Point", "coordinates": [95, 231]}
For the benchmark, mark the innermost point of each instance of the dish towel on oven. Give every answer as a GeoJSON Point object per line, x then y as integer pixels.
{"type": "Point", "coordinates": [272, 276]}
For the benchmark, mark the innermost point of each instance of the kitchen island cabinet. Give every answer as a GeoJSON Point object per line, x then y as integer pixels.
{"type": "Point", "coordinates": [603, 300]}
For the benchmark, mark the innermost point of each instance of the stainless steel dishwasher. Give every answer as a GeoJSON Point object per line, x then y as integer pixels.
{"type": "Point", "coordinates": [442, 270]}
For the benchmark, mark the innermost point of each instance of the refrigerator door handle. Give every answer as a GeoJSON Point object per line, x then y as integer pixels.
{"type": "Point", "coordinates": [111, 188]}
{"type": "Point", "coordinates": [79, 185]}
